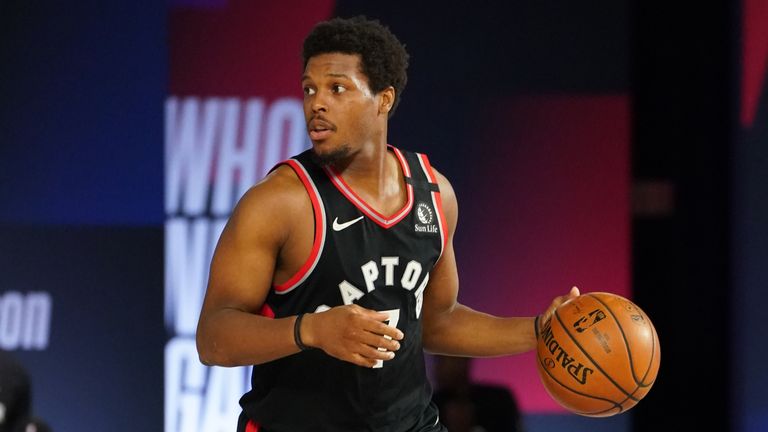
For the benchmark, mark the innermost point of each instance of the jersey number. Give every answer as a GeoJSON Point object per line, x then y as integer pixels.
{"type": "Point", "coordinates": [394, 317]}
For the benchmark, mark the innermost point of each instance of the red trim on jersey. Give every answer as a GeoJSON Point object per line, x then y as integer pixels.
{"type": "Point", "coordinates": [251, 426]}
{"type": "Point", "coordinates": [267, 311]}
{"type": "Point", "coordinates": [401, 158]}
{"type": "Point", "coordinates": [319, 240]}
{"type": "Point", "coordinates": [367, 210]}
{"type": "Point", "coordinates": [427, 168]}
{"type": "Point", "coordinates": [436, 197]}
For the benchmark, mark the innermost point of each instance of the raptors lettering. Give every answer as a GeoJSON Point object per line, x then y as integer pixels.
{"type": "Point", "coordinates": [371, 272]}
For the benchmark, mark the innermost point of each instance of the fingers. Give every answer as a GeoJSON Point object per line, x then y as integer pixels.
{"type": "Point", "coordinates": [368, 362]}
{"type": "Point", "coordinates": [378, 327]}
{"type": "Point", "coordinates": [379, 341]}
{"type": "Point", "coordinates": [372, 353]}
{"type": "Point", "coordinates": [574, 292]}
{"type": "Point", "coordinates": [360, 336]}
{"type": "Point", "coordinates": [550, 311]}
{"type": "Point", "coordinates": [366, 355]}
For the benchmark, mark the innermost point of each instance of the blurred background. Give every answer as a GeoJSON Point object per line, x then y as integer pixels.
{"type": "Point", "coordinates": [618, 145]}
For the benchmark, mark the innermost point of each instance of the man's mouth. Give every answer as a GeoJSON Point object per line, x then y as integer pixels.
{"type": "Point", "coordinates": [319, 134]}
{"type": "Point", "coordinates": [320, 129]}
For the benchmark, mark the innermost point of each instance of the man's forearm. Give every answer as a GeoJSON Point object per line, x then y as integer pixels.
{"type": "Point", "coordinates": [231, 337]}
{"type": "Point", "coordinates": [466, 332]}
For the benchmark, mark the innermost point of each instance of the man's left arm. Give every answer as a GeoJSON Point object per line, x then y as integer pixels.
{"type": "Point", "coordinates": [451, 328]}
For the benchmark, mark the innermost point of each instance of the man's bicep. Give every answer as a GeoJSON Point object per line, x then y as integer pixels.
{"type": "Point", "coordinates": [442, 290]}
{"type": "Point", "coordinates": [244, 260]}
{"type": "Point", "coordinates": [440, 297]}
{"type": "Point", "coordinates": [444, 279]}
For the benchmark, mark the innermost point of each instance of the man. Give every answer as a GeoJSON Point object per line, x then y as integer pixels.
{"type": "Point", "coordinates": [337, 270]}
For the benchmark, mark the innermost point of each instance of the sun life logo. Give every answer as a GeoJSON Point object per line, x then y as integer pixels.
{"type": "Point", "coordinates": [424, 213]}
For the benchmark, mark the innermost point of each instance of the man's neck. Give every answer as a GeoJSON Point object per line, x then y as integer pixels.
{"type": "Point", "coordinates": [366, 164]}
{"type": "Point", "coordinates": [375, 174]}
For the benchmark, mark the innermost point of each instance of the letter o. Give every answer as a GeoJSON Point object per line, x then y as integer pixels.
{"type": "Point", "coordinates": [411, 275]}
{"type": "Point", "coordinates": [11, 306]}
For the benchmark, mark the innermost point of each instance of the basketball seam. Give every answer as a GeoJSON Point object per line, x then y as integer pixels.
{"type": "Point", "coordinates": [599, 413]}
{"type": "Point", "coordinates": [639, 386]}
{"type": "Point", "coordinates": [653, 356]}
{"type": "Point", "coordinates": [544, 368]}
{"type": "Point", "coordinates": [597, 365]}
{"type": "Point", "coordinates": [632, 396]}
{"type": "Point", "coordinates": [624, 336]}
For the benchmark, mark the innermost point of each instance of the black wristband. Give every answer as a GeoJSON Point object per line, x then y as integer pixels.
{"type": "Point", "coordinates": [536, 326]}
{"type": "Point", "coordinates": [297, 333]}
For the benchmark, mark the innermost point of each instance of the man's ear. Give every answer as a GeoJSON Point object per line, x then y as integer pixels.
{"type": "Point", "coordinates": [387, 100]}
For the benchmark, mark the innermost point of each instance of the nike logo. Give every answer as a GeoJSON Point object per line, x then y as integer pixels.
{"type": "Point", "coordinates": [340, 226]}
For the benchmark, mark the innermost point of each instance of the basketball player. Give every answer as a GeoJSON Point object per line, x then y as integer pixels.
{"type": "Point", "coordinates": [337, 271]}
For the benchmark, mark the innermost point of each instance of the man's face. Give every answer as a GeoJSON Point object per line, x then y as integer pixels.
{"type": "Point", "coordinates": [342, 113]}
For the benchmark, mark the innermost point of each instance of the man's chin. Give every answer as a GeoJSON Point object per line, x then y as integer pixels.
{"type": "Point", "coordinates": [330, 157]}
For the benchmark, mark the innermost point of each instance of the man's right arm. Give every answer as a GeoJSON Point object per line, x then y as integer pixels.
{"type": "Point", "coordinates": [232, 333]}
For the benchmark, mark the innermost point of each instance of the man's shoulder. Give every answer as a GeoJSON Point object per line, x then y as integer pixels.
{"type": "Point", "coordinates": [280, 190]}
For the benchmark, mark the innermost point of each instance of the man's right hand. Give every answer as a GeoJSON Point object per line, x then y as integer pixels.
{"type": "Point", "coordinates": [353, 334]}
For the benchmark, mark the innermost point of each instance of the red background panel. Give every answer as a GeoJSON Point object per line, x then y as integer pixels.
{"type": "Point", "coordinates": [248, 48]}
{"type": "Point", "coordinates": [754, 57]}
{"type": "Point", "coordinates": [549, 210]}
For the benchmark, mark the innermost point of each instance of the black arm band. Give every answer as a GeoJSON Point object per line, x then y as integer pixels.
{"type": "Point", "coordinates": [536, 326]}
{"type": "Point", "coordinates": [297, 333]}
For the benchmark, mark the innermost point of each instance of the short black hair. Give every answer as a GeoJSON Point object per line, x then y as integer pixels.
{"type": "Point", "coordinates": [383, 58]}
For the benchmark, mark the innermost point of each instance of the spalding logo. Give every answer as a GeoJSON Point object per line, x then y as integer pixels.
{"type": "Point", "coordinates": [574, 368]}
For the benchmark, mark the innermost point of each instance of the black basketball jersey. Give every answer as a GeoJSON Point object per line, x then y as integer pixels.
{"type": "Point", "coordinates": [378, 262]}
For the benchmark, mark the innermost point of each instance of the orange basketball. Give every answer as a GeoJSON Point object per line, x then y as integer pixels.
{"type": "Point", "coordinates": [598, 355]}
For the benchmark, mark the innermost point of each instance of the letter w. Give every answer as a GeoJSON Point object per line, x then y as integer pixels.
{"type": "Point", "coordinates": [190, 135]}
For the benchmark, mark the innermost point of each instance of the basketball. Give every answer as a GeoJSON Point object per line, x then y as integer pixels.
{"type": "Point", "coordinates": [598, 355]}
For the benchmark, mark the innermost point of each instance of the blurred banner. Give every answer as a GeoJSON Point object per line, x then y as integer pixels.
{"type": "Point", "coordinates": [233, 112]}
{"type": "Point", "coordinates": [81, 210]}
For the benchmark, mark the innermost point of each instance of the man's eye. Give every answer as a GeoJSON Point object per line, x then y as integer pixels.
{"type": "Point", "coordinates": [337, 88]}
{"type": "Point", "coordinates": [309, 91]}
